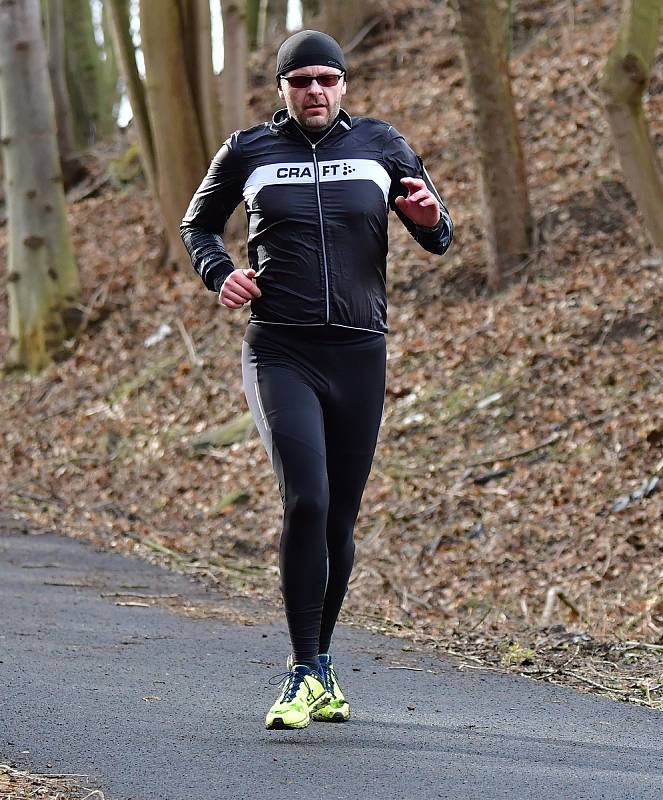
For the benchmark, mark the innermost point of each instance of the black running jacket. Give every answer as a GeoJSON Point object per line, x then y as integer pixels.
{"type": "Point", "coordinates": [317, 218]}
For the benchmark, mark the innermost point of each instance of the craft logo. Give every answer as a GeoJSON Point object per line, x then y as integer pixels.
{"type": "Point", "coordinates": [329, 169]}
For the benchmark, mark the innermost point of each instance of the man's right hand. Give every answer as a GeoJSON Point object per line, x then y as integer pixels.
{"type": "Point", "coordinates": [238, 288]}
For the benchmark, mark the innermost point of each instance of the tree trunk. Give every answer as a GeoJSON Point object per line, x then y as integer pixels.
{"type": "Point", "coordinates": [2, 172]}
{"type": "Point", "coordinates": [85, 74]}
{"type": "Point", "coordinates": [179, 145]}
{"type": "Point", "coordinates": [234, 76]}
{"type": "Point", "coordinates": [43, 284]}
{"type": "Point", "coordinates": [506, 210]}
{"type": "Point", "coordinates": [120, 30]}
{"type": "Point", "coordinates": [72, 167]}
{"type": "Point", "coordinates": [110, 94]}
{"type": "Point", "coordinates": [203, 83]}
{"type": "Point", "coordinates": [311, 11]}
{"type": "Point", "coordinates": [272, 21]}
{"type": "Point", "coordinates": [623, 83]}
{"type": "Point", "coordinates": [234, 82]}
{"type": "Point", "coordinates": [252, 16]}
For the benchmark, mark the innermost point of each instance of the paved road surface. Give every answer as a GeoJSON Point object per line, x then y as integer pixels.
{"type": "Point", "coordinates": [75, 668]}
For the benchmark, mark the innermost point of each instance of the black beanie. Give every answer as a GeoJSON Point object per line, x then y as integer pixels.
{"type": "Point", "coordinates": [308, 49]}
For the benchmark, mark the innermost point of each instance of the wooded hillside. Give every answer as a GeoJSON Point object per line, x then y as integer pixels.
{"type": "Point", "coordinates": [515, 510]}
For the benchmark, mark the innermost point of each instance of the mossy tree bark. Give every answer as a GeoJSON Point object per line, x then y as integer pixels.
{"type": "Point", "coordinates": [72, 167]}
{"type": "Point", "coordinates": [43, 283]}
{"type": "Point", "coordinates": [110, 89]}
{"type": "Point", "coordinates": [623, 84]}
{"type": "Point", "coordinates": [180, 147]}
{"type": "Point", "coordinates": [503, 184]}
{"type": "Point", "coordinates": [119, 24]}
{"type": "Point", "coordinates": [252, 8]}
{"type": "Point", "coordinates": [93, 118]}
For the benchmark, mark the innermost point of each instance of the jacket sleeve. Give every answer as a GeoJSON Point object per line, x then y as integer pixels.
{"type": "Point", "coordinates": [210, 208]}
{"type": "Point", "coordinates": [403, 162]}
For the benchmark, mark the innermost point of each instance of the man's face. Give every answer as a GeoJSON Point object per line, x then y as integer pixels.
{"type": "Point", "coordinates": [314, 107]}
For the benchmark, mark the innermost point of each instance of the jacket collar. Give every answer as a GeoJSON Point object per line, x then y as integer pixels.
{"type": "Point", "coordinates": [282, 121]}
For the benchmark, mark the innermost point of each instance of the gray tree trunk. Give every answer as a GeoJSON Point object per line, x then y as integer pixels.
{"type": "Point", "coordinates": [92, 118]}
{"type": "Point", "coordinates": [234, 77]}
{"type": "Point", "coordinates": [120, 31]}
{"type": "Point", "coordinates": [43, 284]}
{"type": "Point", "coordinates": [72, 167]}
{"type": "Point", "coordinates": [311, 13]}
{"type": "Point", "coordinates": [623, 83]}
{"type": "Point", "coordinates": [506, 209]}
{"type": "Point", "coordinates": [272, 21]}
{"type": "Point", "coordinates": [110, 93]}
{"type": "Point", "coordinates": [234, 83]}
{"type": "Point", "coordinates": [202, 80]}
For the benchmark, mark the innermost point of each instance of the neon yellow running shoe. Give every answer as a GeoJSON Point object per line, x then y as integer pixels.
{"type": "Point", "coordinates": [337, 709]}
{"type": "Point", "coordinates": [303, 692]}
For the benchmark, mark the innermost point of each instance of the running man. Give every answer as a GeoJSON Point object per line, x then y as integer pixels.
{"type": "Point", "coordinates": [317, 185]}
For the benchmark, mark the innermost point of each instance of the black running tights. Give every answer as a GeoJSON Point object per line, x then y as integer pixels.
{"type": "Point", "coordinates": [316, 394]}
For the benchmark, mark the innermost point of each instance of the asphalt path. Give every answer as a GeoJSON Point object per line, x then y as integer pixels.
{"type": "Point", "coordinates": [152, 704]}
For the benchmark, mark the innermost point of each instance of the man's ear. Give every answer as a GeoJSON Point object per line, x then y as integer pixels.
{"type": "Point", "coordinates": [281, 95]}
{"type": "Point", "coordinates": [345, 87]}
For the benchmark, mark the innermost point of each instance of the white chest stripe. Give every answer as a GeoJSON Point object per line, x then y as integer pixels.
{"type": "Point", "coordinates": [346, 169]}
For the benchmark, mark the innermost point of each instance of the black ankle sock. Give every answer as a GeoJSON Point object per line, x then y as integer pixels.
{"type": "Point", "coordinates": [313, 663]}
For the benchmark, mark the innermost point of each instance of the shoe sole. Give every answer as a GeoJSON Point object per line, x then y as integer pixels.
{"type": "Point", "coordinates": [278, 724]}
{"type": "Point", "coordinates": [338, 717]}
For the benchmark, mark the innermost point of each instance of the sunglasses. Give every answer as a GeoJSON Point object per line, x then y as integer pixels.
{"type": "Point", "coordinates": [304, 81]}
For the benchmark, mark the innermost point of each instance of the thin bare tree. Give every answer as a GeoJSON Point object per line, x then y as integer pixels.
{"type": "Point", "coordinates": [505, 203]}
{"type": "Point", "coordinates": [120, 32]}
{"type": "Point", "coordinates": [234, 78]}
{"type": "Point", "coordinates": [72, 167]}
{"type": "Point", "coordinates": [272, 21]}
{"type": "Point", "coordinates": [624, 81]}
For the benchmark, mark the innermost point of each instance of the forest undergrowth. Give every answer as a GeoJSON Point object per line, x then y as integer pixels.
{"type": "Point", "coordinates": [514, 513]}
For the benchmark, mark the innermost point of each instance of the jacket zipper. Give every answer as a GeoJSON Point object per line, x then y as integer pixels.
{"type": "Point", "coordinates": [322, 225]}
{"type": "Point", "coordinates": [322, 235]}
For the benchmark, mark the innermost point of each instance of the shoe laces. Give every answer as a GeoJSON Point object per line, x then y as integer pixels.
{"type": "Point", "coordinates": [290, 681]}
{"type": "Point", "coordinates": [328, 672]}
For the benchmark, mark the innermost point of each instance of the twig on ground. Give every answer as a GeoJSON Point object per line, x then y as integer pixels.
{"type": "Point", "coordinates": [194, 358]}
{"type": "Point", "coordinates": [476, 624]}
{"type": "Point", "coordinates": [138, 594]}
{"type": "Point", "coordinates": [553, 593]}
{"type": "Point", "coordinates": [509, 456]}
{"type": "Point", "coordinates": [594, 683]}
{"type": "Point", "coordinates": [162, 549]}
{"type": "Point", "coordinates": [132, 604]}
{"type": "Point", "coordinates": [413, 669]}
{"type": "Point", "coordinates": [642, 646]}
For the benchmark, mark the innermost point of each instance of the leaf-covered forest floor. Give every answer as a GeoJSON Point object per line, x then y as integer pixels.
{"type": "Point", "coordinates": [513, 516]}
{"type": "Point", "coordinates": [22, 785]}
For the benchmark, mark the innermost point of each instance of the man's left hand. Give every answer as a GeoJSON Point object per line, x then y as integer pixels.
{"type": "Point", "coordinates": [420, 205]}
